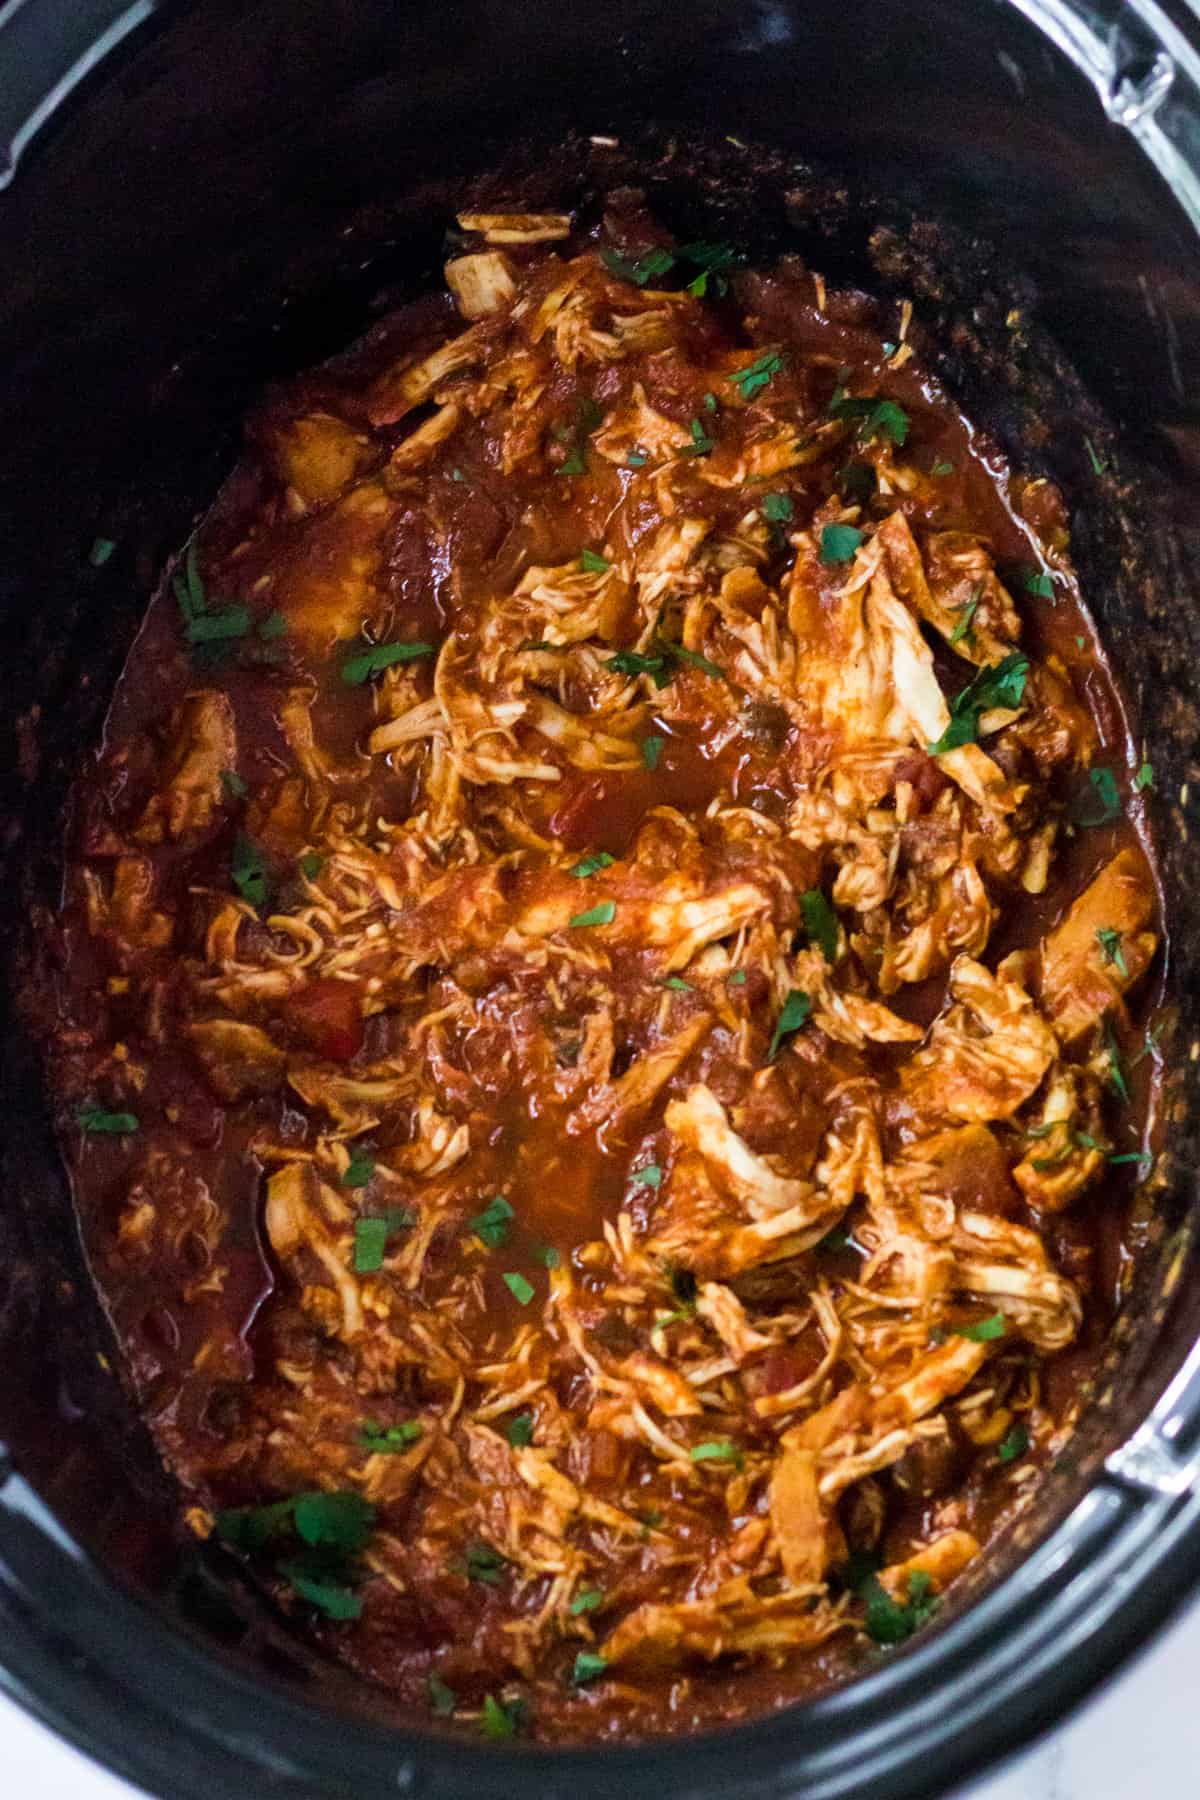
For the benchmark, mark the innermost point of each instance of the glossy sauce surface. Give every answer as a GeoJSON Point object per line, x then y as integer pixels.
{"type": "Point", "coordinates": [619, 1117]}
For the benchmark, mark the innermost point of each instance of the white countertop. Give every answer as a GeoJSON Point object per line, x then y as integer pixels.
{"type": "Point", "coordinates": [1140, 1736]}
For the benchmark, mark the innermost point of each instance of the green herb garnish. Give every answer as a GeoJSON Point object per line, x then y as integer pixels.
{"type": "Point", "coordinates": [503, 1718]}
{"type": "Point", "coordinates": [641, 269]}
{"type": "Point", "coordinates": [491, 1225]}
{"type": "Point", "coordinates": [591, 864]}
{"type": "Point", "coordinates": [1015, 1444]}
{"type": "Point", "coordinates": [604, 914]}
{"type": "Point", "coordinates": [777, 508]}
{"type": "Point", "coordinates": [887, 1621]}
{"type": "Point", "coordinates": [1098, 462]}
{"type": "Point", "coordinates": [484, 1564]}
{"type": "Point", "coordinates": [701, 442]}
{"type": "Point", "coordinates": [678, 985]}
{"type": "Point", "coordinates": [247, 870]}
{"type": "Point", "coordinates": [357, 669]}
{"type": "Point", "coordinates": [968, 609]}
{"type": "Point", "coordinates": [1109, 941]}
{"type": "Point", "coordinates": [650, 1176]}
{"type": "Point", "coordinates": [714, 261]}
{"type": "Point", "coordinates": [632, 662]}
{"type": "Point", "coordinates": [388, 1440]}
{"type": "Point", "coordinates": [637, 459]}
{"type": "Point", "coordinates": [216, 627]}
{"type": "Point", "coordinates": [796, 1009]}
{"type": "Point", "coordinates": [738, 978]}
{"type": "Point", "coordinates": [755, 376]}
{"type": "Point", "coordinates": [942, 468]}
{"type": "Point", "coordinates": [820, 922]}
{"type": "Point", "coordinates": [273, 626]}
{"type": "Point", "coordinates": [442, 1699]}
{"type": "Point", "coordinates": [652, 749]}
{"type": "Point", "coordinates": [716, 1450]}
{"type": "Point", "coordinates": [520, 1289]}
{"type": "Point", "coordinates": [98, 1123]}
{"type": "Point", "coordinates": [311, 865]}
{"type": "Point", "coordinates": [1144, 778]}
{"type": "Point", "coordinates": [332, 1598]}
{"type": "Point", "coordinates": [593, 563]}
{"type": "Point", "coordinates": [1116, 1072]}
{"type": "Point", "coordinates": [983, 1331]}
{"type": "Point", "coordinates": [547, 1255]}
{"type": "Point", "coordinates": [1037, 581]}
{"type": "Point", "coordinates": [359, 1171]}
{"type": "Point", "coordinates": [588, 1667]}
{"type": "Point", "coordinates": [519, 1431]}
{"type": "Point", "coordinates": [587, 1601]}
{"type": "Point", "coordinates": [102, 548]}
{"type": "Point", "coordinates": [233, 784]}
{"type": "Point", "coordinates": [839, 542]}
{"type": "Point", "coordinates": [1003, 684]}
{"type": "Point", "coordinates": [370, 1242]}
{"type": "Point", "coordinates": [1107, 807]}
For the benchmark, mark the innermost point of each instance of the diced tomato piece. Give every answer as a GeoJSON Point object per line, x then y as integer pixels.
{"type": "Point", "coordinates": [328, 1016]}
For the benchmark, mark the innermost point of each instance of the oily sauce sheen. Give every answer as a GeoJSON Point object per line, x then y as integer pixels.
{"type": "Point", "coordinates": [591, 1054]}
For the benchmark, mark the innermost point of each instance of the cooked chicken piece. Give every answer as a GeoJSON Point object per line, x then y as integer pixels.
{"type": "Point", "coordinates": [125, 914]}
{"type": "Point", "coordinates": [354, 1103]}
{"type": "Point", "coordinates": [1062, 1159]}
{"type": "Point", "coordinates": [962, 597]}
{"type": "Point", "coordinates": [330, 593]}
{"type": "Point", "coordinates": [641, 431]}
{"type": "Point", "coordinates": [807, 1536]}
{"type": "Point", "coordinates": [203, 744]}
{"type": "Point", "coordinates": [317, 456]}
{"type": "Point", "coordinates": [239, 1059]}
{"type": "Point", "coordinates": [517, 227]}
{"type": "Point", "coordinates": [720, 1307]}
{"type": "Point", "coordinates": [986, 1055]}
{"type": "Point", "coordinates": [732, 1622]}
{"type": "Point", "coordinates": [850, 1019]}
{"type": "Point", "coordinates": [619, 1104]}
{"type": "Point", "coordinates": [297, 1219]}
{"type": "Point", "coordinates": [701, 1122]}
{"type": "Point", "coordinates": [421, 445]}
{"type": "Point", "coordinates": [482, 283]}
{"type": "Point", "coordinates": [941, 1560]}
{"type": "Point", "coordinates": [413, 382]}
{"type": "Point", "coordinates": [1101, 948]}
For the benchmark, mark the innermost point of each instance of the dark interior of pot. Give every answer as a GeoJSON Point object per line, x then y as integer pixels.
{"type": "Point", "coordinates": [251, 188]}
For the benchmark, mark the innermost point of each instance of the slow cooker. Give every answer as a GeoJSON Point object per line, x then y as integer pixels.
{"type": "Point", "coordinates": [195, 199]}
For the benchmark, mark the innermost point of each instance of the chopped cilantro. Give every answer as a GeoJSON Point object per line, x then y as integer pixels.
{"type": "Point", "coordinates": [520, 1289]}
{"type": "Point", "coordinates": [650, 1176]}
{"type": "Point", "coordinates": [887, 1621]}
{"type": "Point", "coordinates": [604, 914]}
{"type": "Point", "coordinates": [1037, 581]}
{"type": "Point", "coordinates": [591, 864]}
{"type": "Point", "coordinates": [593, 563]}
{"type": "Point", "coordinates": [632, 662]}
{"type": "Point", "coordinates": [1098, 462]}
{"type": "Point", "coordinates": [457, 475]}
{"type": "Point", "coordinates": [273, 626]}
{"type": "Point", "coordinates": [640, 270]}
{"type": "Point", "coordinates": [1144, 778]}
{"type": "Point", "coordinates": [835, 1240]}
{"type": "Point", "coordinates": [247, 870]}
{"type": "Point", "coordinates": [983, 1331]}
{"type": "Point", "coordinates": [942, 468]}
{"type": "Point", "coordinates": [311, 865]}
{"type": "Point", "coordinates": [716, 1450]}
{"type": "Point", "coordinates": [1107, 800]}
{"type": "Point", "coordinates": [102, 548]}
{"type": "Point", "coordinates": [678, 985]}
{"type": "Point", "coordinates": [484, 1564]}
{"type": "Point", "coordinates": [1003, 684]}
{"type": "Point", "coordinates": [233, 784]}
{"type": "Point", "coordinates": [215, 627]}
{"type": "Point", "coordinates": [98, 1123]}
{"type": "Point", "coordinates": [857, 480]}
{"type": "Point", "coordinates": [1015, 1444]}
{"type": "Point", "coordinates": [839, 542]}
{"type": "Point", "coordinates": [701, 442]}
{"type": "Point", "coordinates": [491, 1225]}
{"type": "Point", "coordinates": [695, 660]}
{"type": "Point", "coordinates": [359, 1171]}
{"type": "Point", "coordinates": [442, 1699]}
{"type": "Point", "coordinates": [796, 1009]}
{"type": "Point", "coordinates": [968, 610]}
{"type": "Point", "coordinates": [332, 1598]}
{"type": "Point", "coordinates": [357, 669]}
{"type": "Point", "coordinates": [820, 922]}
{"type": "Point", "coordinates": [520, 1430]}
{"type": "Point", "coordinates": [1116, 1072]}
{"type": "Point", "coordinates": [547, 1255]}
{"type": "Point", "coordinates": [588, 1667]}
{"type": "Point", "coordinates": [503, 1718]}
{"type": "Point", "coordinates": [652, 749]}
{"type": "Point", "coordinates": [880, 418]}
{"type": "Point", "coordinates": [589, 1600]}
{"type": "Point", "coordinates": [754, 377]}
{"type": "Point", "coordinates": [777, 508]}
{"type": "Point", "coordinates": [714, 261]}
{"type": "Point", "coordinates": [370, 1242]}
{"type": "Point", "coordinates": [340, 1522]}
{"type": "Point", "coordinates": [1132, 1156]}
{"type": "Point", "coordinates": [1109, 941]}
{"type": "Point", "coordinates": [387, 1440]}
{"type": "Point", "coordinates": [738, 978]}
{"type": "Point", "coordinates": [637, 459]}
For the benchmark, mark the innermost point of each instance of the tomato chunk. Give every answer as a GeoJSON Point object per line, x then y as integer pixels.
{"type": "Point", "coordinates": [327, 1014]}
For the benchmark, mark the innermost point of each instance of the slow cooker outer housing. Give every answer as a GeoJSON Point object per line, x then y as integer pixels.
{"type": "Point", "coordinates": [221, 201]}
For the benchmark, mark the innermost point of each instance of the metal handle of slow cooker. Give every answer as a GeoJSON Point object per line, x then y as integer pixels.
{"type": "Point", "coordinates": [46, 51]}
